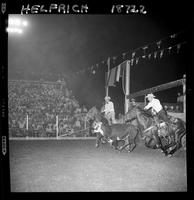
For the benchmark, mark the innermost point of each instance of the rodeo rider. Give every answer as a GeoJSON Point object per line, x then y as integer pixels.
{"type": "Point", "coordinates": [109, 110]}
{"type": "Point", "coordinates": [157, 108]}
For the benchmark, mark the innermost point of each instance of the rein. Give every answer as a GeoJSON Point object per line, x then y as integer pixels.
{"type": "Point", "coordinates": [149, 128]}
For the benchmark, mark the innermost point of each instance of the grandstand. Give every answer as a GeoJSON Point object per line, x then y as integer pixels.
{"type": "Point", "coordinates": [44, 109]}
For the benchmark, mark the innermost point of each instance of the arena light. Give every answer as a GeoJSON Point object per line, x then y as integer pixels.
{"type": "Point", "coordinates": [14, 30]}
{"type": "Point", "coordinates": [16, 25]}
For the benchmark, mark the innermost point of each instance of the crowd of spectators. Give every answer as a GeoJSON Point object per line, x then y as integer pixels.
{"type": "Point", "coordinates": [34, 105]}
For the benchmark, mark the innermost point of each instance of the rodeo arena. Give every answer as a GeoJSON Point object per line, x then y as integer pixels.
{"type": "Point", "coordinates": [58, 144]}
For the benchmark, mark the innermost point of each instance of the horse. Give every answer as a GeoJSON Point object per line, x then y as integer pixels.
{"type": "Point", "coordinates": [155, 132]}
{"type": "Point", "coordinates": [113, 133]}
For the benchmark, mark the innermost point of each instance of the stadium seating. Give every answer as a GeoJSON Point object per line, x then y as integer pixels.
{"type": "Point", "coordinates": [34, 105]}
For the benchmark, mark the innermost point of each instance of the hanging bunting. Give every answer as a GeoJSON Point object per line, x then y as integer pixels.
{"type": "Point", "coordinates": [173, 36]}
{"type": "Point", "coordinates": [144, 49]}
{"type": "Point", "coordinates": [155, 54]}
{"type": "Point", "coordinates": [131, 61]}
{"type": "Point", "coordinates": [137, 60]}
{"type": "Point", "coordinates": [111, 79]}
{"type": "Point", "coordinates": [149, 56]}
{"type": "Point", "coordinates": [114, 58]}
{"type": "Point", "coordinates": [169, 49]}
{"type": "Point", "coordinates": [118, 72]}
{"type": "Point", "coordinates": [178, 47]}
{"type": "Point", "coordinates": [123, 55]}
{"type": "Point", "coordinates": [108, 61]}
{"type": "Point", "coordinates": [133, 54]}
{"type": "Point", "coordinates": [93, 71]}
{"type": "Point", "coordinates": [159, 44]}
{"type": "Point", "coordinates": [161, 53]}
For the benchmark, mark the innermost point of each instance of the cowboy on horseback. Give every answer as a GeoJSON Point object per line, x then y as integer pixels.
{"type": "Point", "coordinates": [109, 110]}
{"type": "Point", "coordinates": [157, 108]}
{"type": "Point", "coordinates": [160, 113]}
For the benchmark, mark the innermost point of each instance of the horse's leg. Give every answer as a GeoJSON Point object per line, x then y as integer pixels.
{"type": "Point", "coordinates": [127, 143]}
{"type": "Point", "coordinates": [98, 139]}
{"type": "Point", "coordinates": [173, 149]}
{"type": "Point", "coordinates": [175, 143]}
{"type": "Point", "coordinates": [115, 144]}
{"type": "Point", "coordinates": [160, 145]}
{"type": "Point", "coordinates": [148, 141]}
{"type": "Point", "coordinates": [178, 143]}
{"type": "Point", "coordinates": [132, 141]}
{"type": "Point", "coordinates": [132, 146]}
{"type": "Point", "coordinates": [124, 146]}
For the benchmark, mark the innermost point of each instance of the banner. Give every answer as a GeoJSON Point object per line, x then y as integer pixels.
{"type": "Point", "coordinates": [115, 74]}
{"type": "Point", "coordinates": [112, 77]}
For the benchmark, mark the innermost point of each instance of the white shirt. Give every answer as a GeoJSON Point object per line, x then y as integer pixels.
{"type": "Point", "coordinates": [155, 104]}
{"type": "Point", "coordinates": [109, 107]}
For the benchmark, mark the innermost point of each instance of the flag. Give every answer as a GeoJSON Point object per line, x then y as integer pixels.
{"type": "Point", "coordinates": [120, 68]}
{"type": "Point", "coordinates": [132, 60]}
{"type": "Point", "coordinates": [114, 59]}
{"type": "Point", "coordinates": [178, 48]}
{"type": "Point", "coordinates": [137, 60]}
{"type": "Point", "coordinates": [149, 56]}
{"type": "Point", "coordinates": [173, 36]}
{"type": "Point", "coordinates": [159, 43]}
{"type": "Point", "coordinates": [110, 80]}
{"type": "Point", "coordinates": [118, 72]}
{"type": "Point", "coordinates": [144, 49]}
{"type": "Point", "coordinates": [133, 54]}
{"type": "Point", "coordinates": [155, 54]}
{"type": "Point", "coordinates": [169, 49]}
{"type": "Point", "coordinates": [115, 74]}
{"type": "Point", "coordinates": [124, 54]}
{"type": "Point", "coordinates": [161, 53]}
{"type": "Point", "coordinates": [108, 61]}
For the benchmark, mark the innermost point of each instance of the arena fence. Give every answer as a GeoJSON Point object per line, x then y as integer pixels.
{"type": "Point", "coordinates": [57, 131]}
{"type": "Point", "coordinates": [176, 110]}
{"type": "Point", "coordinates": [30, 120]}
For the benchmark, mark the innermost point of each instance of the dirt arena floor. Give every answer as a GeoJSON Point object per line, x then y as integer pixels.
{"type": "Point", "coordinates": [76, 165]}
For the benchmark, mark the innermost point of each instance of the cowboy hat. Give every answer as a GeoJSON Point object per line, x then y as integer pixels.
{"type": "Point", "coordinates": [150, 95]}
{"type": "Point", "coordinates": [107, 98]}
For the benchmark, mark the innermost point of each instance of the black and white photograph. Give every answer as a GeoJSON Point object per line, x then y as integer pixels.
{"type": "Point", "coordinates": [95, 97]}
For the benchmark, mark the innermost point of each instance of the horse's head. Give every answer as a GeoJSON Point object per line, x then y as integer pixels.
{"type": "Point", "coordinates": [95, 115]}
{"type": "Point", "coordinates": [131, 114]}
{"type": "Point", "coordinates": [91, 113]}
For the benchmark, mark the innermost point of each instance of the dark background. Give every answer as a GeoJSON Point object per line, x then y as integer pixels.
{"type": "Point", "coordinates": [56, 46]}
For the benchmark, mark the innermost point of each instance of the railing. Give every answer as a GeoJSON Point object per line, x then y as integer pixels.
{"type": "Point", "coordinates": [180, 82]}
{"type": "Point", "coordinates": [58, 129]}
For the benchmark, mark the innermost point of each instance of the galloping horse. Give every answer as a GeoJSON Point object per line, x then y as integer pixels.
{"type": "Point", "coordinates": [154, 131]}
{"type": "Point", "coordinates": [114, 133]}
